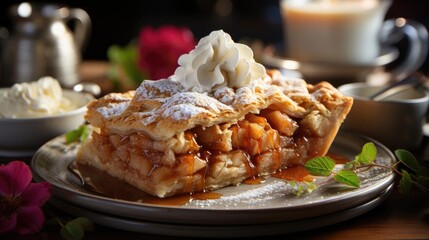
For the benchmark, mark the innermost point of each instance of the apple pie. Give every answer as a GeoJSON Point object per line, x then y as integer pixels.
{"type": "Point", "coordinates": [219, 119]}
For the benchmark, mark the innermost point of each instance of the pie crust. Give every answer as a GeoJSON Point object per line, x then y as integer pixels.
{"type": "Point", "coordinates": [166, 140]}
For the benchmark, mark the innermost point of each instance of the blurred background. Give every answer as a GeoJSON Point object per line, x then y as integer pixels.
{"type": "Point", "coordinates": [118, 22]}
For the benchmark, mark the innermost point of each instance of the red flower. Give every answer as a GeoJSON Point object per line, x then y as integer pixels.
{"type": "Point", "coordinates": [20, 200]}
{"type": "Point", "coordinates": [159, 49]}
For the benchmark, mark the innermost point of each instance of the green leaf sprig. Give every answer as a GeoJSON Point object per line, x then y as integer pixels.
{"type": "Point", "coordinates": [303, 187]}
{"type": "Point", "coordinates": [74, 229]}
{"type": "Point", "coordinates": [78, 135]}
{"type": "Point", "coordinates": [411, 173]}
{"type": "Point", "coordinates": [324, 166]}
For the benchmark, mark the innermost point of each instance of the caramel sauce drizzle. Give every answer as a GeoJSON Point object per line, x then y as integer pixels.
{"type": "Point", "coordinates": [254, 180]}
{"type": "Point", "coordinates": [294, 173]}
{"type": "Point", "coordinates": [338, 158]}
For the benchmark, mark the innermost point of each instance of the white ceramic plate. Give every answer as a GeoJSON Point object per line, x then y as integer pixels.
{"type": "Point", "coordinates": [221, 231]}
{"type": "Point", "coordinates": [269, 202]}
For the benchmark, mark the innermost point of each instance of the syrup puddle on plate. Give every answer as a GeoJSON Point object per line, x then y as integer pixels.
{"type": "Point", "coordinates": [99, 182]}
{"type": "Point", "coordinates": [95, 180]}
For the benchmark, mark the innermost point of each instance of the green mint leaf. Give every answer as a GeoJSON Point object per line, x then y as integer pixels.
{"type": "Point", "coordinates": [72, 231]}
{"type": "Point", "coordinates": [407, 159]}
{"type": "Point", "coordinates": [320, 166]}
{"type": "Point", "coordinates": [405, 183]}
{"type": "Point", "coordinates": [75, 229]}
{"type": "Point", "coordinates": [299, 189]}
{"type": "Point", "coordinates": [368, 154]}
{"type": "Point", "coordinates": [310, 186]}
{"type": "Point", "coordinates": [79, 134]}
{"type": "Point", "coordinates": [348, 177]}
{"type": "Point", "coordinates": [85, 223]}
{"type": "Point", "coordinates": [73, 135]}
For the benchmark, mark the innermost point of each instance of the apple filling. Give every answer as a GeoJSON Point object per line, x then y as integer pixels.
{"type": "Point", "coordinates": [207, 158]}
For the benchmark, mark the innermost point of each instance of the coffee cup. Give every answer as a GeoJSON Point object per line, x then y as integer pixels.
{"type": "Point", "coordinates": [349, 37]}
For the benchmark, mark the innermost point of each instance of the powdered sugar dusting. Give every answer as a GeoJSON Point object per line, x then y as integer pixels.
{"type": "Point", "coordinates": [167, 99]}
{"type": "Point", "coordinates": [159, 89]}
{"type": "Point", "coordinates": [291, 85]}
{"type": "Point", "coordinates": [118, 97]}
{"type": "Point", "coordinates": [189, 104]}
{"type": "Point", "coordinates": [184, 111]}
{"type": "Point", "coordinates": [248, 197]}
{"type": "Point", "coordinates": [244, 96]}
{"type": "Point", "coordinates": [113, 109]}
{"type": "Point", "coordinates": [224, 95]}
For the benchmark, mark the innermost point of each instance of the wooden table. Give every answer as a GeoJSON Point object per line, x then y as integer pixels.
{"type": "Point", "coordinates": [399, 217]}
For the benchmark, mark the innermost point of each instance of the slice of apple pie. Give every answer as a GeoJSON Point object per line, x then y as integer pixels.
{"type": "Point", "coordinates": [220, 119]}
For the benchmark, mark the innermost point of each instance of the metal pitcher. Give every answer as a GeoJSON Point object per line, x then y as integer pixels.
{"type": "Point", "coordinates": [41, 43]}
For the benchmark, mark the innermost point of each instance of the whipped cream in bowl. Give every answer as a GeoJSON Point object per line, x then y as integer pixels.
{"type": "Point", "coordinates": [43, 97]}
{"type": "Point", "coordinates": [32, 113]}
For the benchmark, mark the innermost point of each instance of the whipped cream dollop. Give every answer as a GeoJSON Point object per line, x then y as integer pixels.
{"type": "Point", "coordinates": [217, 61]}
{"type": "Point", "coordinates": [33, 99]}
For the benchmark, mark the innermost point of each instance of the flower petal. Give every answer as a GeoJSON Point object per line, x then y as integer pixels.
{"type": "Point", "coordinates": [16, 176]}
{"type": "Point", "coordinates": [8, 225]}
{"type": "Point", "coordinates": [30, 220]}
{"type": "Point", "coordinates": [5, 185]}
{"type": "Point", "coordinates": [36, 194]}
{"type": "Point", "coordinates": [160, 49]}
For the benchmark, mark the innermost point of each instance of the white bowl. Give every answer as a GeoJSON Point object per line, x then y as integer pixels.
{"type": "Point", "coordinates": [23, 136]}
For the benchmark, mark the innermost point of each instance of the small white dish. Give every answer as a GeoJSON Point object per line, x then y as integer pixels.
{"type": "Point", "coordinates": [20, 137]}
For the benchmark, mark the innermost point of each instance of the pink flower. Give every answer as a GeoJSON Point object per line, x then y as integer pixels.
{"type": "Point", "coordinates": [20, 200]}
{"type": "Point", "coordinates": [159, 49]}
